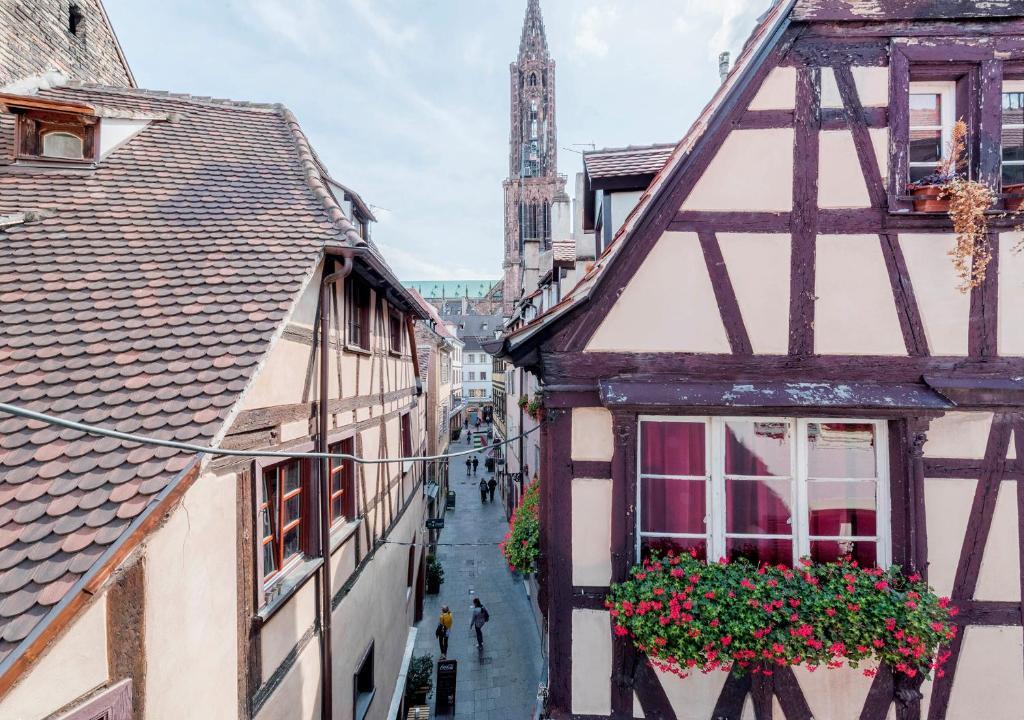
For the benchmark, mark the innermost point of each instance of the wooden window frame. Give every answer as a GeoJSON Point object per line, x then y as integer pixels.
{"type": "Point", "coordinates": [268, 580]}
{"type": "Point", "coordinates": [395, 331]}
{"type": "Point", "coordinates": [347, 493]}
{"type": "Point", "coordinates": [1010, 86]}
{"type": "Point", "coordinates": [714, 467]}
{"type": "Point", "coordinates": [946, 90]}
{"type": "Point", "coordinates": [358, 302]}
{"type": "Point", "coordinates": [405, 440]}
{"type": "Point", "coordinates": [32, 125]}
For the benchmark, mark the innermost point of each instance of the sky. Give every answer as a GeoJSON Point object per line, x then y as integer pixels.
{"type": "Point", "coordinates": [407, 101]}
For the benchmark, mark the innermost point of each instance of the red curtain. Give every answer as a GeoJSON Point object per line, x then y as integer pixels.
{"type": "Point", "coordinates": [671, 505]}
{"type": "Point", "coordinates": [756, 507]}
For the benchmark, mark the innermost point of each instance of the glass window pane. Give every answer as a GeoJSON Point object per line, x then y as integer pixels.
{"type": "Point", "coordinates": [1013, 174]}
{"type": "Point", "coordinates": [677, 545]}
{"type": "Point", "coordinates": [864, 552]}
{"type": "Point", "coordinates": [265, 516]}
{"type": "Point", "coordinates": [1013, 143]}
{"type": "Point", "coordinates": [1013, 108]}
{"type": "Point", "coordinates": [673, 506]}
{"type": "Point", "coordinates": [758, 507]}
{"type": "Point", "coordinates": [292, 508]}
{"type": "Point", "coordinates": [292, 477]}
{"type": "Point", "coordinates": [269, 558]}
{"type": "Point", "coordinates": [925, 146]}
{"type": "Point", "coordinates": [672, 448]}
{"type": "Point", "coordinates": [291, 542]}
{"type": "Point", "coordinates": [841, 450]}
{"type": "Point", "coordinates": [925, 109]}
{"type": "Point", "coordinates": [337, 510]}
{"type": "Point", "coordinates": [62, 145]}
{"type": "Point", "coordinates": [842, 508]}
{"type": "Point", "coordinates": [757, 448]}
{"type": "Point", "coordinates": [772, 550]}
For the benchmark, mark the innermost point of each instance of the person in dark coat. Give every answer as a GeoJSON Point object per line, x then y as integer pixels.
{"type": "Point", "coordinates": [477, 621]}
{"type": "Point", "coordinates": [469, 465]}
{"type": "Point", "coordinates": [483, 490]}
{"type": "Point", "coordinates": [476, 462]}
{"type": "Point", "coordinates": [491, 484]}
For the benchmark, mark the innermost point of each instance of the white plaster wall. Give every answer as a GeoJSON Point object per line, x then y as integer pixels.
{"type": "Point", "coordinates": [279, 635]}
{"type": "Point", "coordinates": [114, 132]}
{"type": "Point", "coordinates": [641, 320]}
{"type": "Point", "coordinates": [592, 434]}
{"type": "Point", "coordinates": [591, 662]}
{"type": "Point", "coordinates": [947, 504]}
{"type": "Point", "coordinates": [298, 695]}
{"type": "Point", "coordinates": [855, 313]}
{"type": "Point", "coordinates": [834, 694]}
{"type": "Point", "coordinates": [753, 170]}
{"type": "Point", "coordinates": [999, 577]}
{"type": "Point", "coordinates": [192, 603]}
{"type": "Point", "coordinates": [758, 266]}
{"type": "Point", "coordinates": [989, 680]}
{"type": "Point", "coordinates": [73, 666]}
{"type": "Point", "coordinates": [591, 531]}
{"type": "Point", "coordinates": [622, 205]}
{"type": "Point", "coordinates": [961, 435]}
{"type": "Point", "coordinates": [693, 697]}
{"type": "Point", "coordinates": [880, 142]}
{"type": "Point", "coordinates": [1011, 295]}
{"type": "Point", "coordinates": [840, 180]}
{"type": "Point", "coordinates": [305, 310]}
{"type": "Point", "coordinates": [777, 92]}
{"type": "Point", "coordinates": [945, 311]}
{"type": "Point", "coordinates": [830, 97]}
{"type": "Point", "coordinates": [282, 378]}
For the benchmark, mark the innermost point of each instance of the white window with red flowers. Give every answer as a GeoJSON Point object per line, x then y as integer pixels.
{"type": "Point", "coordinates": [771, 490]}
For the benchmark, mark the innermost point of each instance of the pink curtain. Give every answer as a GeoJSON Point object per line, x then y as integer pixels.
{"type": "Point", "coordinates": [671, 505]}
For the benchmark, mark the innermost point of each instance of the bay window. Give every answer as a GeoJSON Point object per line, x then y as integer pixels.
{"type": "Point", "coordinates": [767, 489]}
{"type": "Point", "coordinates": [1013, 132]}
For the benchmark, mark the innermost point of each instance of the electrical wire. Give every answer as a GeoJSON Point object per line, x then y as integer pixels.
{"type": "Point", "coordinates": [145, 440]}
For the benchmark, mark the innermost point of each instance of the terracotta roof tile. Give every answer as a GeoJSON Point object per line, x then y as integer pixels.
{"type": "Point", "coordinates": [622, 162]}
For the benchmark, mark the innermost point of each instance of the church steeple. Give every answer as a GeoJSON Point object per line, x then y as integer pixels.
{"type": "Point", "coordinates": [534, 42]}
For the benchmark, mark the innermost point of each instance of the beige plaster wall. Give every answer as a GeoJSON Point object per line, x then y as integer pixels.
{"type": "Point", "coordinates": [947, 505]}
{"type": "Point", "coordinates": [855, 313]}
{"type": "Point", "coordinates": [641, 320]}
{"type": "Point", "coordinates": [958, 435]}
{"type": "Point", "coordinates": [298, 695]}
{"type": "Point", "coordinates": [945, 311]}
{"type": "Point", "coordinates": [758, 266]}
{"type": "Point", "coordinates": [693, 697]}
{"type": "Point", "coordinates": [777, 92]}
{"type": "Point", "coordinates": [591, 662]}
{"type": "Point", "coordinates": [989, 680]}
{"type": "Point", "coordinates": [1011, 295]}
{"type": "Point", "coordinates": [840, 180]}
{"type": "Point", "coordinates": [305, 310]}
{"type": "Point", "coordinates": [191, 603]}
{"type": "Point", "coordinates": [834, 694]}
{"type": "Point", "coordinates": [280, 633]}
{"type": "Point", "coordinates": [73, 666]}
{"type": "Point", "coordinates": [872, 86]}
{"type": "Point", "coordinates": [999, 577]}
{"type": "Point", "coordinates": [592, 434]}
{"type": "Point", "coordinates": [591, 531]}
{"type": "Point", "coordinates": [282, 378]}
{"type": "Point", "coordinates": [764, 158]}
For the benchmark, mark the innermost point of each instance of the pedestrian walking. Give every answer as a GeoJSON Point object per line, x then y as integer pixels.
{"type": "Point", "coordinates": [444, 628]}
{"type": "Point", "coordinates": [483, 490]}
{"type": "Point", "coordinates": [469, 465]}
{"type": "Point", "coordinates": [491, 484]}
{"type": "Point", "coordinates": [475, 463]}
{"type": "Point", "coordinates": [479, 619]}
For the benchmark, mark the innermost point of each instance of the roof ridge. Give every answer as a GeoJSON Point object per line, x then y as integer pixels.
{"type": "Point", "coordinates": [146, 92]}
{"type": "Point", "coordinates": [631, 148]}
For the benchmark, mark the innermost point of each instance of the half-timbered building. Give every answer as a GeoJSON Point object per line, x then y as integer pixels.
{"type": "Point", "coordinates": [772, 359]}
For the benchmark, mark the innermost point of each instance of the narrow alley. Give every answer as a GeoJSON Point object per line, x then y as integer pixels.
{"type": "Point", "coordinates": [500, 682]}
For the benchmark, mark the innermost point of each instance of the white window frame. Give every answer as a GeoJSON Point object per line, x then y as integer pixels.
{"type": "Point", "coordinates": [1009, 86]}
{"type": "Point", "coordinates": [714, 466]}
{"type": "Point", "coordinates": [946, 89]}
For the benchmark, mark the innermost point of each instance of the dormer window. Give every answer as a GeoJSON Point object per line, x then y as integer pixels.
{"type": "Point", "coordinates": [52, 130]}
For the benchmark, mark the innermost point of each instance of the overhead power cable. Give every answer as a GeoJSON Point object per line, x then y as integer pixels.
{"type": "Point", "coordinates": [286, 454]}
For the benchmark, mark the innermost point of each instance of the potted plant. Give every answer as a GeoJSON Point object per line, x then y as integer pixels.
{"type": "Point", "coordinates": [689, 616]}
{"type": "Point", "coordinates": [1013, 197]}
{"type": "Point", "coordinates": [523, 402]}
{"type": "Point", "coordinates": [536, 408]}
{"type": "Point", "coordinates": [418, 681]}
{"type": "Point", "coordinates": [435, 575]}
{"type": "Point", "coordinates": [521, 545]}
{"type": "Point", "coordinates": [966, 202]}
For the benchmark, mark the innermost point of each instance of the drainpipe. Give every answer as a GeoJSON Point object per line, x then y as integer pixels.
{"type": "Point", "coordinates": [323, 480]}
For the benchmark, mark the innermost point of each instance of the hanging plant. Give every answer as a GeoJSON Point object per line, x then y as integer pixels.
{"type": "Point", "coordinates": [521, 546]}
{"type": "Point", "coordinates": [523, 402]}
{"type": "Point", "coordinates": [689, 616]}
{"type": "Point", "coordinates": [536, 407]}
{"type": "Point", "coordinates": [966, 201]}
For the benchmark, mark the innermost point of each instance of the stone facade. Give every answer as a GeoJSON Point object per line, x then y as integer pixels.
{"type": "Point", "coordinates": [73, 37]}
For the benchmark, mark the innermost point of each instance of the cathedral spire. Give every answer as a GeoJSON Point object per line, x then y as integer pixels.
{"type": "Point", "coordinates": [534, 42]}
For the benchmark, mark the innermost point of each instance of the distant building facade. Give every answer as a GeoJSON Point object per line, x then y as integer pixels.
{"type": "Point", "coordinates": [461, 297]}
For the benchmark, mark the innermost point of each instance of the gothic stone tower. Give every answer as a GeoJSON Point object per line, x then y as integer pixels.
{"type": "Point", "coordinates": [533, 181]}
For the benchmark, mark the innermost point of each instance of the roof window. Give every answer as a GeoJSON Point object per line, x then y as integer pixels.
{"type": "Point", "coordinates": [51, 130]}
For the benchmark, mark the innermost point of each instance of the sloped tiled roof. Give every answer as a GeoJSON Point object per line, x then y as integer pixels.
{"type": "Point", "coordinates": [627, 161]}
{"type": "Point", "coordinates": [142, 300]}
{"type": "Point", "coordinates": [563, 251]}
{"type": "Point", "coordinates": [439, 326]}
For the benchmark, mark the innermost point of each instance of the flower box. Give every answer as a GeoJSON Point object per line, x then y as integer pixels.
{"type": "Point", "coordinates": [1013, 197]}
{"type": "Point", "coordinates": [929, 198]}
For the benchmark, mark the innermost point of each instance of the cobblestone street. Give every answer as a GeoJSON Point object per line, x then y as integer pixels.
{"type": "Point", "coordinates": [500, 682]}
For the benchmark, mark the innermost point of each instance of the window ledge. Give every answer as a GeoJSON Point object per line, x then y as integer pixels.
{"type": "Point", "coordinates": [357, 349]}
{"type": "Point", "coordinates": [287, 586]}
{"type": "Point", "coordinates": [341, 533]}
{"type": "Point", "coordinates": [363, 702]}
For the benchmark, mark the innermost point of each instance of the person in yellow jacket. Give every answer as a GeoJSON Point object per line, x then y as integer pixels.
{"type": "Point", "coordinates": [444, 628]}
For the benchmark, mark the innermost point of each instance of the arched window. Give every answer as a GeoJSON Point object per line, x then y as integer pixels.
{"type": "Point", "coordinates": [533, 79]}
{"type": "Point", "coordinates": [59, 144]}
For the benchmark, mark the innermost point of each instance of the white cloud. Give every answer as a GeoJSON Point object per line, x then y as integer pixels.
{"type": "Point", "coordinates": [417, 266]}
{"type": "Point", "coordinates": [301, 23]}
{"type": "Point", "coordinates": [728, 21]}
{"type": "Point", "coordinates": [382, 26]}
{"type": "Point", "coordinates": [595, 26]}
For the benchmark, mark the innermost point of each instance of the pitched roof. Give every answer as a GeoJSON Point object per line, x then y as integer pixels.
{"type": "Point", "coordinates": [432, 314]}
{"type": "Point", "coordinates": [627, 161]}
{"type": "Point", "coordinates": [764, 36]}
{"type": "Point", "coordinates": [142, 297]}
{"type": "Point", "coordinates": [563, 252]}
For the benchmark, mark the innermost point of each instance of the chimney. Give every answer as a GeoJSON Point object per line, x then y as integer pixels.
{"type": "Point", "coordinates": [723, 65]}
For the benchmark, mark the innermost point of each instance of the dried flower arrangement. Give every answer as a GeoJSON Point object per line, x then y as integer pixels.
{"type": "Point", "coordinates": [966, 201]}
